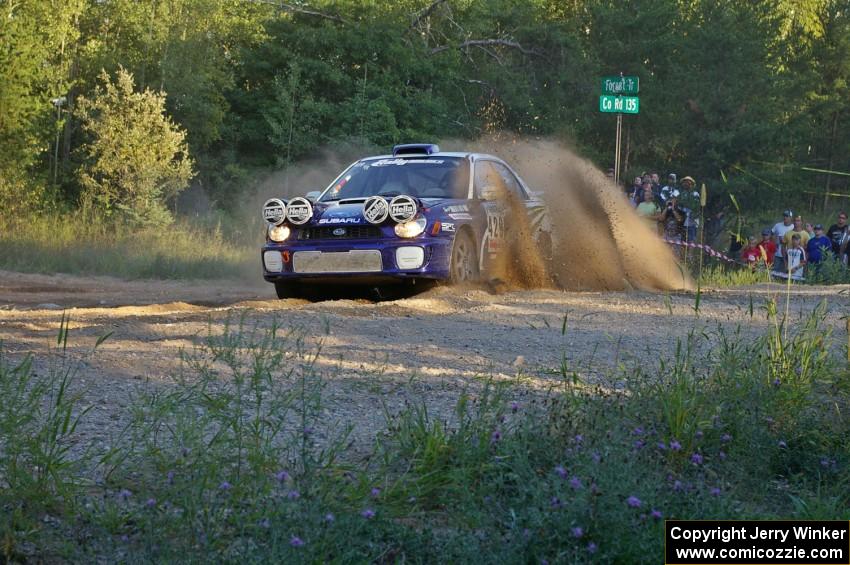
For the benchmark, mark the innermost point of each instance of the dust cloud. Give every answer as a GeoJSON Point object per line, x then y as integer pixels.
{"type": "Point", "coordinates": [598, 242]}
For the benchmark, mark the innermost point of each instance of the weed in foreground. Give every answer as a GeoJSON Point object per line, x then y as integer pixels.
{"type": "Point", "coordinates": [237, 459]}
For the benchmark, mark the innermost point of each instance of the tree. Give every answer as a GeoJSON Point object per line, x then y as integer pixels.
{"type": "Point", "coordinates": [135, 159]}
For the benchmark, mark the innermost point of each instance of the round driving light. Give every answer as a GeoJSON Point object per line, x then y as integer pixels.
{"type": "Point", "coordinates": [299, 210]}
{"type": "Point", "coordinates": [375, 209]}
{"type": "Point", "coordinates": [279, 233]}
{"type": "Point", "coordinates": [412, 228]}
{"type": "Point", "coordinates": [409, 257]}
{"type": "Point", "coordinates": [274, 211]}
{"type": "Point", "coordinates": [402, 208]}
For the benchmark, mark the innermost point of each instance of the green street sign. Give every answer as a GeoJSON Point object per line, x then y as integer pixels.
{"type": "Point", "coordinates": [619, 104]}
{"type": "Point", "coordinates": [620, 85]}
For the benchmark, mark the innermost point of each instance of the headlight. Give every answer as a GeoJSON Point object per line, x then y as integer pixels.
{"type": "Point", "coordinates": [278, 233]}
{"type": "Point", "coordinates": [411, 228]}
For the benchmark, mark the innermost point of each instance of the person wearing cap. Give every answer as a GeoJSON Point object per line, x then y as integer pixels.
{"type": "Point", "coordinates": [779, 230]}
{"type": "Point", "coordinates": [818, 246]}
{"type": "Point", "coordinates": [669, 187]}
{"type": "Point", "coordinates": [767, 247]}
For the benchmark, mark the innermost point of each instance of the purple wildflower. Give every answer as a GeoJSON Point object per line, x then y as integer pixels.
{"type": "Point", "coordinates": [514, 407]}
{"type": "Point", "coordinates": [662, 446]}
{"type": "Point", "coordinates": [184, 452]}
{"type": "Point", "coordinates": [575, 483]}
{"type": "Point", "coordinates": [696, 459]}
{"type": "Point", "coordinates": [782, 444]}
{"type": "Point", "coordinates": [265, 523]}
{"type": "Point", "coordinates": [715, 491]}
{"type": "Point", "coordinates": [561, 472]}
{"type": "Point", "coordinates": [150, 503]}
{"type": "Point", "coordinates": [722, 455]}
{"type": "Point", "coordinates": [170, 477]}
{"type": "Point", "coordinates": [329, 518]}
{"type": "Point", "coordinates": [699, 434]}
{"type": "Point", "coordinates": [293, 495]}
{"type": "Point", "coordinates": [544, 562]}
{"type": "Point", "coordinates": [125, 538]}
{"type": "Point", "coordinates": [592, 547]}
{"type": "Point", "coordinates": [596, 457]}
{"type": "Point", "coordinates": [677, 485]}
{"type": "Point", "coordinates": [502, 419]}
{"type": "Point", "coordinates": [281, 476]}
{"type": "Point", "coordinates": [497, 435]}
{"type": "Point", "coordinates": [776, 382]}
{"type": "Point", "coordinates": [368, 513]}
{"type": "Point", "coordinates": [638, 444]}
{"type": "Point", "coordinates": [579, 438]}
{"type": "Point", "coordinates": [656, 514]}
{"type": "Point", "coordinates": [577, 532]}
{"type": "Point", "coordinates": [675, 445]}
{"type": "Point", "coordinates": [375, 492]}
{"type": "Point", "coordinates": [638, 431]}
{"type": "Point", "coordinates": [296, 541]}
{"type": "Point", "coordinates": [556, 502]}
{"type": "Point", "coordinates": [225, 486]}
{"type": "Point", "coordinates": [824, 462]}
{"type": "Point", "coordinates": [308, 431]}
{"type": "Point", "coordinates": [726, 438]}
{"type": "Point", "coordinates": [526, 533]}
{"type": "Point", "coordinates": [633, 502]}
{"type": "Point", "coordinates": [124, 494]}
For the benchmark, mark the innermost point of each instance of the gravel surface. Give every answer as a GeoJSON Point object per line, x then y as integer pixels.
{"type": "Point", "coordinates": [429, 347]}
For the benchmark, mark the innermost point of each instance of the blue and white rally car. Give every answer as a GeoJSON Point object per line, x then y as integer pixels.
{"type": "Point", "coordinates": [416, 214]}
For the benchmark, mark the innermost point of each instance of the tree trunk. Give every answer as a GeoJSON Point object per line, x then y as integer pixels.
{"type": "Point", "coordinates": [831, 161]}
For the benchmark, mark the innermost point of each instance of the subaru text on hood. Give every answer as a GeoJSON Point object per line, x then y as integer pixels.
{"type": "Point", "coordinates": [416, 214]}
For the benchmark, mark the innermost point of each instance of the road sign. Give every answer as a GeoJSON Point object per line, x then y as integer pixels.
{"type": "Point", "coordinates": [620, 85]}
{"type": "Point", "coordinates": [619, 104]}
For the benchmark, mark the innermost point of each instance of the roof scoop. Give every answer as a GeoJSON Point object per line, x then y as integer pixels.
{"type": "Point", "coordinates": [416, 149]}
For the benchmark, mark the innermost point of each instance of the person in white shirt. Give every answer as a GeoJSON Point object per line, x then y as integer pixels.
{"type": "Point", "coordinates": [779, 231]}
{"type": "Point", "coordinates": [795, 259]}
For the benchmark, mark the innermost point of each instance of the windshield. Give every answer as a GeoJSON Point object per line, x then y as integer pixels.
{"type": "Point", "coordinates": [421, 177]}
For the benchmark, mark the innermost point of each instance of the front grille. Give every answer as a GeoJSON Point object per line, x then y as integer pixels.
{"type": "Point", "coordinates": [351, 232]}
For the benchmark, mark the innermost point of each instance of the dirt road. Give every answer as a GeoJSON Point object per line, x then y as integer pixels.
{"type": "Point", "coordinates": [427, 347]}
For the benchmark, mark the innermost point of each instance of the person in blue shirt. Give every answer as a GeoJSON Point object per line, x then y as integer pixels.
{"type": "Point", "coordinates": [818, 245]}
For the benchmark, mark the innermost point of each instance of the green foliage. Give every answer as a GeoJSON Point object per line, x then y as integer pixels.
{"type": "Point", "coordinates": [236, 458]}
{"type": "Point", "coordinates": [136, 160]}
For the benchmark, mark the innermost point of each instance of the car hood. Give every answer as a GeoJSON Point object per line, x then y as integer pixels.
{"type": "Point", "coordinates": [350, 211]}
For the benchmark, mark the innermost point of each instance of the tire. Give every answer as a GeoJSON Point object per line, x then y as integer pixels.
{"type": "Point", "coordinates": [464, 263]}
{"type": "Point", "coordinates": [286, 290]}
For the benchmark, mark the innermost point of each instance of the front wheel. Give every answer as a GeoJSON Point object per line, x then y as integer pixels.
{"type": "Point", "coordinates": [464, 264]}
{"type": "Point", "coordinates": [286, 290]}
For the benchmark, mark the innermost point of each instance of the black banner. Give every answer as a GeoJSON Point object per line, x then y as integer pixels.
{"type": "Point", "coordinates": [763, 542]}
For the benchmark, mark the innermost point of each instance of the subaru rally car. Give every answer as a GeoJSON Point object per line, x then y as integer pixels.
{"type": "Point", "coordinates": [416, 214]}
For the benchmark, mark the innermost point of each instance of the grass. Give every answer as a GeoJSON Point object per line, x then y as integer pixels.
{"type": "Point", "coordinates": [234, 460]}
{"type": "Point", "coordinates": [71, 244]}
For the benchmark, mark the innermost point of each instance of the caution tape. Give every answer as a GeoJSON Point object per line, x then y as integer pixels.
{"type": "Point", "coordinates": [704, 248]}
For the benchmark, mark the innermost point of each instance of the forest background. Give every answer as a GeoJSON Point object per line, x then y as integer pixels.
{"type": "Point", "coordinates": [113, 107]}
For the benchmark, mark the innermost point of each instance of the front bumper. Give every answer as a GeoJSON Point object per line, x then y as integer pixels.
{"type": "Point", "coordinates": [436, 254]}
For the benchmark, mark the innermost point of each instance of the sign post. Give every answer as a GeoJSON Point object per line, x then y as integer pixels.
{"type": "Point", "coordinates": [613, 100]}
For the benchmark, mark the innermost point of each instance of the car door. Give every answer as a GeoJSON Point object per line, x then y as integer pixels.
{"type": "Point", "coordinates": [538, 218]}
{"type": "Point", "coordinates": [490, 190]}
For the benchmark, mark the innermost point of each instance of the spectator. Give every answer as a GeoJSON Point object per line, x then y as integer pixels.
{"type": "Point", "coordinates": [779, 230]}
{"type": "Point", "coordinates": [818, 246]}
{"type": "Point", "coordinates": [797, 230]}
{"type": "Point", "coordinates": [837, 232]}
{"type": "Point", "coordinates": [673, 218]}
{"type": "Point", "coordinates": [795, 258]}
{"type": "Point", "coordinates": [767, 247]}
{"type": "Point", "coordinates": [610, 173]}
{"type": "Point", "coordinates": [669, 187]}
{"type": "Point", "coordinates": [690, 202]}
{"type": "Point", "coordinates": [810, 230]}
{"type": "Point", "coordinates": [632, 191]}
{"type": "Point", "coordinates": [751, 254]}
{"type": "Point", "coordinates": [656, 181]}
{"type": "Point", "coordinates": [649, 209]}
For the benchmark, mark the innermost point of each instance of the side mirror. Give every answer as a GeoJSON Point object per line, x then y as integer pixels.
{"type": "Point", "coordinates": [313, 195]}
{"type": "Point", "coordinates": [491, 192]}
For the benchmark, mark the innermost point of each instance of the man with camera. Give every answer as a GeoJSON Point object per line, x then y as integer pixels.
{"type": "Point", "coordinates": [673, 217]}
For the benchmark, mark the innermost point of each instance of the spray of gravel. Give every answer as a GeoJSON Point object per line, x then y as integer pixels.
{"type": "Point", "coordinates": [598, 242]}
